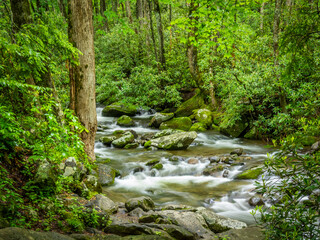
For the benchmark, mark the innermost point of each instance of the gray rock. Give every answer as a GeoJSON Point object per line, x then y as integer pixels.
{"type": "Point", "coordinates": [107, 174]}
{"type": "Point", "coordinates": [137, 212]}
{"type": "Point", "coordinates": [125, 121]}
{"type": "Point", "coordinates": [125, 139]}
{"type": "Point", "coordinates": [159, 118]}
{"type": "Point", "coordinates": [45, 175]}
{"type": "Point", "coordinates": [166, 132]}
{"type": "Point", "coordinates": [129, 229]}
{"type": "Point", "coordinates": [174, 231]}
{"type": "Point", "coordinates": [218, 223]}
{"type": "Point", "coordinates": [107, 140]}
{"type": "Point", "coordinates": [145, 203]}
{"type": "Point", "coordinates": [119, 109]}
{"type": "Point", "coordinates": [235, 130]}
{"type": "Point", "coordinates": [256, 201]}
{"type": "Point", "coordinates": [237, 151]}
{"type": "Point", "coordinates": [315, 147]}
{"type": "Point", "coordinates": [250, 233]}
{"type": "Point", "coordinates": [104, 203]}
{"type": "Point", "coordinates": [14, 233]}
{"type": "Point", "coordinates": [92, 183]}
{"type": "Point", "coordinates": [193, 161]}
{"type": "Point", "coordinates": [175, 141]}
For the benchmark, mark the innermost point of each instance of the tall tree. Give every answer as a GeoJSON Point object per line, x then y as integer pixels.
{"type": "Point", "coordinates": [21, 13]}
{"type": "Point", "coordinates": [160, 32]}
{"type": "Point", "coordinates": [80, 31]}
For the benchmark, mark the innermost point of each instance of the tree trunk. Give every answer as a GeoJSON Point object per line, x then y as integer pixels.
{"type": "Point", "coordinates": [102, 7]}
{"type": "Point", "coordinates": [262, 16]}
{"type": "Point", "coordinates": [276, 32]}
{"type": "Point", "coordinates": [160, 32]}
{"type": "Point", "coordinates": [128, 10]}
{"type": "Point", "coordinates": [152, 32]}
{"type": "Point", "coordinates": [21, 13]}
{"type": "Point", "coordinates": [62, 7]}
{"type": "Point", "coordinates": [81, 35]}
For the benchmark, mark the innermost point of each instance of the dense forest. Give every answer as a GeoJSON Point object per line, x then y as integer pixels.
{"type": "Point", "coordinates": [253, 65]}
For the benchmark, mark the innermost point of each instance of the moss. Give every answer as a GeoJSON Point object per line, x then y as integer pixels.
{"type": "Point", "coordinates": [131, 146]}
{"type": "Point", "coordinates": [203, 116]}
{"type": "Point", "coordinates": [186, 108]}
{"type": "Point", "coordinates": [118, 132]}
{"type": "Point", "coordinates": [147, 144]}
{"type": "Point", "coordinates": [198, 127]}
{"type": "Point", "coordinates": [107, 140]}
{"type": "Point", "coordinates": [158, 166]}
{"type": "Point", "coordinates": [125, 121]}
{"type": "Point", "coordinates": [235, 130]}
{"type": "Point", "coordinates": [215, 127]}
{"type": "Point", "coordinates": [307, 140]}
{"type": "Point", "coordinates": [182, 123]}
{"type": "Point", "coordinates": [152, 162]}
{"type": "Point", "coordinates": [253, 173]}
{"type": "Point", "coordinates": [252, 134]}
{"type": "Point", "coordinates": [118, 109]}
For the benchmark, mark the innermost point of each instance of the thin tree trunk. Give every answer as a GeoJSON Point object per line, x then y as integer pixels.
{"type": "Point", "coordinates": [21, 13]}
{"type": "Point", "coordinates": [160, 32]}
{"type": "Point", "coordinates": [152, 32]}
{"type": "Point", "coordinates": [262, 16]}
{"type": "Point", "coordinates": [102, 7]}
{"type": "Point", "coordinates": [276, 31]}
{"type": "Point", "coordinates": [81, 35]}
{"type": "Point", "coordinates": [62, 7]}
{"type": "Point", "coordinates": [128, 10]}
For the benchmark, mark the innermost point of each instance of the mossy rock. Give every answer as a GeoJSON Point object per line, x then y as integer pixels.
{"type": "Point", "coordinates": [147, 144]}
{"type": "Point", "coordinates": [152, 162]}
{"type": "Point", "coordinates": [131, 146]}
{"type": "Point", "coordinates": [252, 134]}
{"type": "Point", "coordinates": [159, 118]}
{"type": "Point", "coordinates": [252, 173]}
{"type": "Point", "coordinates": [125, 139]}
{"type": "Point", "coordinates": [215, 127]}
{"type": "Point", "coordinates": [118, 132]}
{"type": "Point", "coordinates": [307, 140]}
{"type": "Point", "coordinates": [107, 174]}
{"type": "Point", "coordinates": [198, 127]}
{"type": "Point", "coordinates": [118, 109]}
{"type": "Point", "coordinates": [166, 132]}
{"type": "Point", "coordinates": [186, 108]}
{"type": "Point", "coordinates": [203, 116]}
{"type": "Point", "coordinates": [145, 203]}
{"type": "Point", "coordinates": [217, 118]}
{"type": "Point", "coordinates": [157, 166]}
{"type": "Point", "coordinates": [236, 130]}
{"type": "Point", "coordinates": [182, 123]}
{"type": "Point", "coordinates": [125, 121]}
{"type": "Point", "coordinates": [107, 140]}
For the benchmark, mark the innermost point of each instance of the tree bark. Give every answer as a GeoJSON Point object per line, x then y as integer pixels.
{"type": "Point", "coordinates": [62, 7]}
{"type": "Point", "coordinates": [160, 32]}
{"type": "Point", "coordinates": [128, 10]}
{"type": "Point", "coordinates": [102, 7]}
{"type": "Point", "coordinates": [81, 35]}
{"type": "Point", "coordinates": [21, 13]}
{"type": "Point", "coordinates": [262, 16]}
{"type": "Point", "coordinates": [152, 31]}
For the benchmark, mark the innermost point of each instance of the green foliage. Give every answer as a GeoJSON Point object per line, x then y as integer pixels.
{"type": "Point", "coordinates": [291, 187]}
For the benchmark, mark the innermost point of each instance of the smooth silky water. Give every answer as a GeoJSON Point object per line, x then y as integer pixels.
{"type": "Point", "coordinates": [180, 182]}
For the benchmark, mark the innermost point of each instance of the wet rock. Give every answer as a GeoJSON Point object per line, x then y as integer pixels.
{"type": "Point", "coordinates": [252, 173]}
{"type": "Point", "coordinates": [198, 127]}
{"type": "Point", "coordinates": [107, 140]}
{"type": "Point", "coordinates": [225, 173]}
{"type": "Point", "coordinates": [159, 118]}
{"type": "Point", "coordinates": [92, 183]}
{"type": "Point", "coordinates": [131, 146]}
{"type": "Point", "coordinates": [174, 231]}
{"type": "Point", "coordinates": [193, 161]}
{"type": "Point", "coordinates": [147, 136]}
{"type": "Point", "coordinates": [175, 158]}
{"type": "Point", "coordinates": [175, 141]}
{"type": "Point", "coordinates": [145, 203]}
{"type": "Point", "coordinates": [186, 108]}
{"type": "Point", "coordinates": [14, 233]}
{"type": "Point", "coordinates": [213, 170]}
{"type": "Point", "coordinates": [125, 139]}
{"type": "Point", "coordinates": [104, 203]}
{"type": "Point", "coordinates": [182, 123]}
{"type": "Point", "coordinates": [166, 132]}
{"type": "Point", "coordinates": [157, 166]}
{"type": "Point", "coordinates": [152, 162]}
{"type": "Point", "coordinates": [125, 121]}
{"type": "Point", "coordinates": [203, 116]}
{"type": "Point", "coordinates": [138, 169]}
{"type": "Point", "coordinates": [137, 212]}
{"type": "Point", "coordinates": [250, 233]}
{"type": "Point", "coordinates": [118, 109]}
{"type": "Point", "coordinates": [214, 159]}
{"type": "Point", "coordinates": [256, 201]}
{"type": "Point", "coordinates": [124, 229]}
{"type": "Point", "coordinates": [179, 207]}
{"type": "Point", "coordinates": [237, 151]}
{"type": "Point", "coordinates": [218, 223]}
{"type": "Point", "coordinates": [107, 174]}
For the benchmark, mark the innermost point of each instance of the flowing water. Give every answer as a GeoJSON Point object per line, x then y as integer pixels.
{"type": "Point", "coordinates": [180, 182]}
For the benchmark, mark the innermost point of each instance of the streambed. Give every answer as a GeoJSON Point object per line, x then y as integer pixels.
{"type": "Point", "coordinates": [180, 182]}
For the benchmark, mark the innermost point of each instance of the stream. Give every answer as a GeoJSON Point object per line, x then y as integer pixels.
{"type": "Point", "coordinates": [180, 182]}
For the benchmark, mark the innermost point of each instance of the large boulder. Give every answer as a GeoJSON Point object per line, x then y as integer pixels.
{"type": "Point", "coordinates": [236, 130]}
{"type": "Point", "coordinates": [107, 174]}
{"type": "Point", "coordinates": [125, 139]}
{"type": "Point", "coordinates": [198, 127]}
{"type": "Point", "coordinates": [118, 109]}
{"type": "Point", "coordinates": [186, 108]}
{"type": "Point", "coordinates": [166, 132]}
{"type": "Point", "coordinates": [107, 140]}
{"type": "Point", "coordinates": [253, 134]}
{"type": "Point", "coordinates": [73, 168]}
{"type": "Point", "coordinates": [92, 183]}
{"type": "Point", "coordinates": [175, 141]}
{"type": "Point", "coordinates": [103, 203]}
{"type": "Point", "coordinates": [250, 233]}
{"type": "Point", "coordinates": [182, 123]}
{"type": "Point", "coordinates": [203, 116]}
{"type": "Point", "coordinates": [45, 175]}
{"type": "Point", "coordinates": [145, 203]}
{"type": "Point", "coordinates": [219, 224]}
{"type": "Point", "coordinates": [125, 121]}
{"type": "Point", "coordinates": [252, 173]}
{"type": "Point", "coordinates": [159, 118]}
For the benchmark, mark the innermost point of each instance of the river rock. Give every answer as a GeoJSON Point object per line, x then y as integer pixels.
{"type": "Point", "coordinates": [225, 173]}
{"type": "Point", "coordinates": [159, 118]}
{"type": "Point", "coordinates": [107, 140]}
{"type": "Point", "coordinates": [315, 147]}
{"type": "Point", "coordinates": [203, 116]}
{"type": "Point", "coordinates": [186, 108]}
{"type": "Point", "coordinates": [14, 233]}
{"type": "Point", "coordinates": [131, 146]}
{"type": "Point", "coordinates": [157, 166]}
{"type": "Point", "coordinates": [198, 127]}
{"type": "Point", "coordinates": [145, 203]}
{"type": "Point", "coordinates": [137, 212]}
{"type": "Point", "coordinates": [92, 183]}
{"type": "Point", "coordinates": [125, 139]}
{"type": "Point", "coordinates": [193, 161]}
{"type": "Point", "coordinates": [118, 109]}
{"type": "Point", "coordinates": [218, 223]}
{"type": "Point", "coordinates": [174, 231]}
{"type": "Point", "coordinates": [213, 170]}
{"type": "Point", "coordinates": [250, 233]}
{"type": "Point", "coordinates": [166, 132]}
{"type": "Point", "coordinates": [256, 201]}
{"type": "Point", "coordinates": [152, 162]}
{"type": "Point", "coordinates": [45, 175]}
{"type": "Point", "coordinates": [182, 123]}
{"type": "Point", "coordinates": [236, 130]}
{"type": "Point", "coordinates": [175, 141]}
{"type": "Point", "coordinates": [107, 174]}
{"type": "Point", "coordinates": [104, 203]}
{"type": "Point", "coordinates": [125, 121]}
{"type": "Point", "coordinates": [252, 173]}
{"type": "Point", "coordinates": [237, 151]}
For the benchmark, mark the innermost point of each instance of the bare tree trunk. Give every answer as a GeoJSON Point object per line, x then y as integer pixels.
{"type": "Point", "coordinates": [262, 16]}
{"type": "Point", "coordinates": [21, 13]}
{"type": "Point", "coordinates": [276, 31]}
{"type": "Point", "coordinates": [128, 10]}
{"type": "Point", "coordinates": [81, 30]}
{"type": "Point", "coordinates": [62, 7]}
{"type": "Point", "coordinates": [102, 7]}
{"type": "Point", "coordinates": [152, 32]}
{"type": "Point", "coordinates": [160, 32]}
